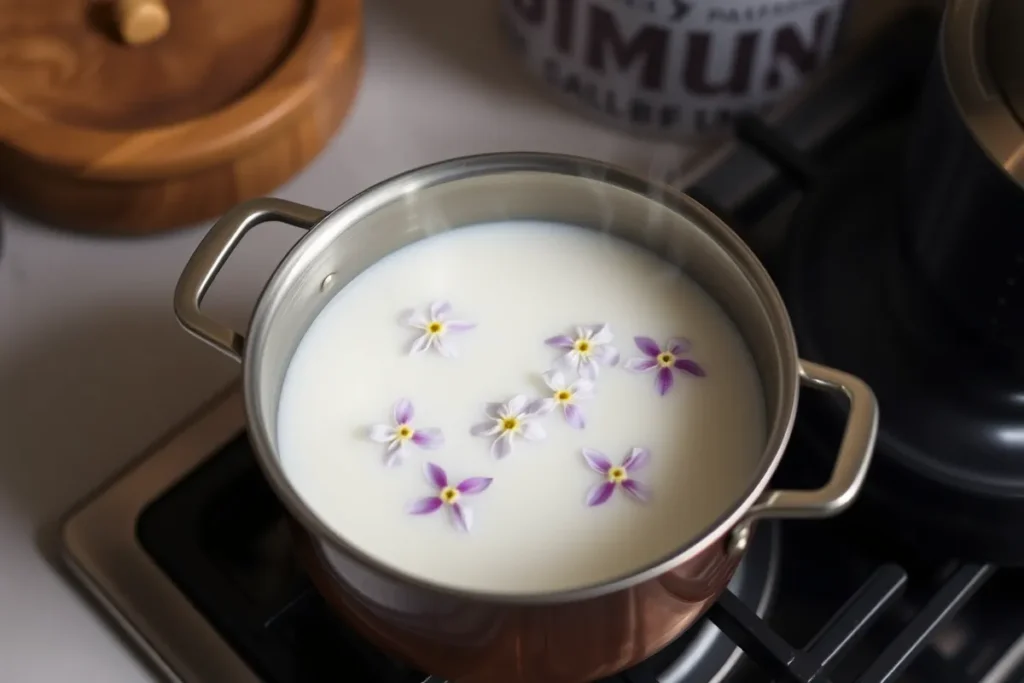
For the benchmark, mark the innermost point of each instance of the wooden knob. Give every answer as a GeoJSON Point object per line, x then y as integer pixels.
{"type": "Point", "coordinates": [142, 21]}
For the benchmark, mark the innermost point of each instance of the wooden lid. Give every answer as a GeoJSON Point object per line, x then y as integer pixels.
{"type": "Point", "coordinates": [132, 89]}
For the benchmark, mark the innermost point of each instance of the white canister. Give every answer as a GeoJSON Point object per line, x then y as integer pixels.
{"type": "Point", "coordinates": [674, 68]}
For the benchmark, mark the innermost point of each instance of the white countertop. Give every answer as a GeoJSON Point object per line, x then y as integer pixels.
{"type": "Point", "coordinates": [94, 367]}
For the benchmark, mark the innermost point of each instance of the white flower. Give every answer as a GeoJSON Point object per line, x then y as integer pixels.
{"type": "Point", "coordinates": [567, 395]}
{"type": "Point", "coordinates": [435, 327]}
{"type": "Point", "coordinates": [399, 436]}
{"type": "Point", "coordinates": [590, 346]}
{"type": "Point", "coordinates": [513, 419]}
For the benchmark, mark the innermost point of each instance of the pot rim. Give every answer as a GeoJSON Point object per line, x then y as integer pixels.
{"type": "Point", "coordinates": [423, 177]}
{"type": "Point", "coordinates": [978, 95]}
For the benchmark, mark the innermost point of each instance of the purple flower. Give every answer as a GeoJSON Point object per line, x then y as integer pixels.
{"type": "Point", "coordinates": [449, 496]}
{"type": "Point", "coordinates": [398, 437]}
{"type": "Point", "coordinates": [617, 475]}
{"type": "Point", "coordinates": [590, 346]}
{"type": "Point", "coordinates": [513, 419]}
{"type": "Point", "coordinates": [434, 328]}
{"type": "Point", "coordinates": [663, 360]}
{"type": "Point", "coordinates": [566, 395]}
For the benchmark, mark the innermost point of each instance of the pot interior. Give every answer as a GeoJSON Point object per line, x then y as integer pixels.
{"type": "Point", "coordinates": [490, 188]}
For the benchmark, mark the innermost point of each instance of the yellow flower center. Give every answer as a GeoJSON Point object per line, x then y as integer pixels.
{"type": "Point", "coordinates": [435, 327]}
{"type": "Point", "coordinates": [449, 495]}
{"type": "Point", "coordinates": [665, 359]}
{"type": "Point", "coordinates": [583, 346]}
{"type": "Point", "coordinates": [405, 432]}
{"type": "Point", "coordinates": [563, 396]}
{"type": "Point", "coordinates": [617, 475]}
{"type": "Point", "coordinates": [509, 424]}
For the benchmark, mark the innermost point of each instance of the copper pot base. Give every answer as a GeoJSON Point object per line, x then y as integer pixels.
{"type": "Point", "coordinates": [523, 644]}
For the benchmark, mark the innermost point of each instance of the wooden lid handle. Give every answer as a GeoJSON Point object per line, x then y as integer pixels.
{"type": "Point", "coordinates": [142, 21]}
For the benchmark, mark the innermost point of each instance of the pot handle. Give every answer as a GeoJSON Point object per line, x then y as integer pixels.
{"type": "Point", "coordinates": [211, 255]}
{"type": "Point", "coordinates": [851, 463]}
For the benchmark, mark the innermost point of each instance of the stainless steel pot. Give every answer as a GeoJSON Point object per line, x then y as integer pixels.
{"type": "Point", "coordinates": [590, 631]}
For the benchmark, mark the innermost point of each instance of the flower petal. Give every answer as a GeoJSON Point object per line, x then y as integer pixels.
{"type": "Point", "coordinates": [588, 369]}
{"type": "Point", "coordinates": [458, 325]}
{"type": "Point", "coordinates": [381, 433]}
{"type": "Point", "coordinates": [648, 346]}
{"type": "Point", "coordinates": [412, 318]}
{"type": "Point", "coordinates": [678, 345]}
{"type": "Point", "coordinates": [574, 416]}
{"type": "Point", "coordinates": [538, 407]}
{"type": "Point", "coordinates": [493, 410]}
{"type": "Point", "coordinates": [444, 348]}
{"type": "Point", "coordinates": [561, 341]}
{"type": "Point", "coordinates": [663, 381]}
{"type": "Point", "coordinates": [569, 360]}
{"type": "Point", "coordinates": [462, 516]}
{"type": "Point", "coordinates": [474, 485]}
{"type": "Point", "coordinates": [435, 475]}
{"type": "Point", "coordinates": [395, 445]}
{"type": "Point", "coordinates": [515, 407]}
{"type": "Point", "coordinates": [599, 333]}
{"type": "Point", "coordinates": [403, 411]}
{"type": "Point", "coordinates": [424, 506]}
{"type": "Point", "coordinates": [638, 490]}
{"type": "Point", "coordinates": [640, 364]}
{"type": "Point", "coordinates": [489, 428]}
{"type": "Point", "coordinates": [502, 446]}
{"type": "Point", "coordinates": [420, 344]}
{"type": "Point", "coordinates": [395, 457]}
{"type": "Point", "coordinates": [438, 309]}
{"type": "Point", "coordinates": [600, 493]}
{"type": "Point", "coordinates": [597, 460]}
{"type": "Point", "coordinates": [607, 354]}
{"type": "Point", "coordinates": [582, 388]}
{"type": "Point", "coordinates": [688, 366]}
{"type": "Point", "coordinates": [429, 438]}
{"type": "Point", "coordinates": [554, 379]}
{"type": "Point", "coordinates": [637, 459]}
{"type": "Point", "coordinates": [533, 431]}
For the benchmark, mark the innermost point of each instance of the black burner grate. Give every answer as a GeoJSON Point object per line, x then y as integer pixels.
{"type": "Point", "coordinates": [814, 663]}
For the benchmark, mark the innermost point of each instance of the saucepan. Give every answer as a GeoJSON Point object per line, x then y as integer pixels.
{"type": "Point", "coordinates": [589, 631]}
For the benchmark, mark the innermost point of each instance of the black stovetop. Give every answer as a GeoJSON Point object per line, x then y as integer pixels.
{"type": "Point", "coordinates": [844, 605]}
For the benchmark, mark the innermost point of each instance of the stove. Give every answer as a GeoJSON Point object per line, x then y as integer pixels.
{"type": "Point", "coordinates": [190, 554]}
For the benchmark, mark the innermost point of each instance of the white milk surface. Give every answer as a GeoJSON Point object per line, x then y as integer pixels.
{"type": "Point", "coordinates": [531, 529]}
